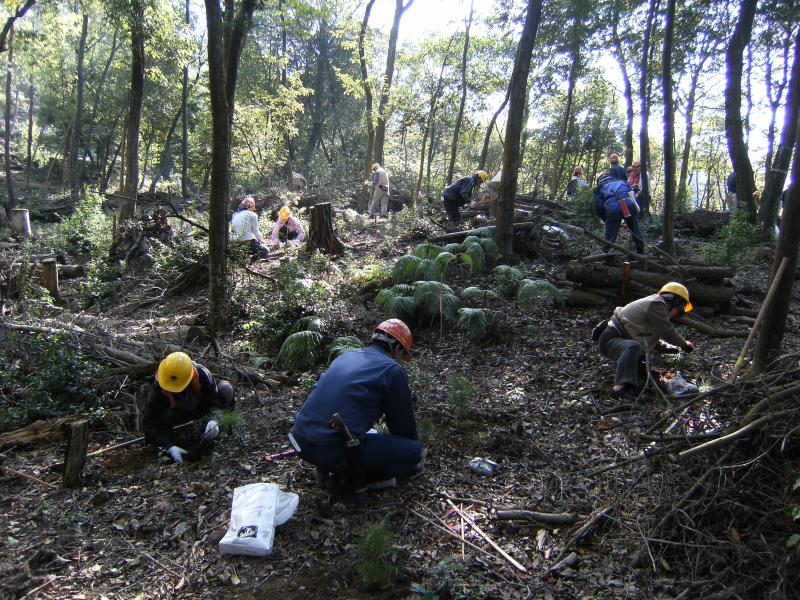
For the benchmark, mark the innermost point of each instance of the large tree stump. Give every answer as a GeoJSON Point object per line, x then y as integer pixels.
{"type": "Point", "coordinates": [21, 221]}
{"type": "Point", "coordinates": [50, 277]}
{"type": "Point", "coordinates": [75, 457]}
{"type": "Point", "coordinates": [321, 235]}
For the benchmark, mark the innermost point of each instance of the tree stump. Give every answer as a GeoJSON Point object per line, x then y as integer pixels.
{"type": "Point", "coordinates": [21, 221]}
{"type": "Point", "coordinates": [320, 232]}
{"type": "Point", "coordinates": [50, 277]}
{"type": "Point", "coordinates": [75, 458]}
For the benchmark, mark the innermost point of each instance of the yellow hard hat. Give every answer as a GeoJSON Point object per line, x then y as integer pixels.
{"type": "Point", "coordinates": [175, 372]}
{"type": "Point", "coordinates": [483, 175]}
{"type": "Point", "coordinates": [673, 287]}
{"type": "Point", "coordinates": [375, 167]}
{"type": "Point", "coordinates": [284, 213]}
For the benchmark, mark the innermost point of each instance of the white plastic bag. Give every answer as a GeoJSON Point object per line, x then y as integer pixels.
{"type": "Point", "coordinates": [679, 386]}
{"type": "Point", "coordinates": [257, 509]}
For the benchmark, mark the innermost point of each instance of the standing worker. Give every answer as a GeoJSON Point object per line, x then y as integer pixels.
{"type": "Point", "coordinates": [639, 327]}
{"type": "Point", "coordinates": [577, 183]}
{"type": "Point", "coordinates": [614, 202]}
{"type": "Point", "coordinates": [380, 191]}
{"type": "Point", "coordinates": [617, 170]}
{"type": "Point", "coordinates": [244, 228]}
{"type": "Point", "coordinates": [361, 386]}
{"type": "Point", "coordinates": [183, 391]}
{"type": "Point", "coordinates": [288, 228]}
{"type": "Point", "coordinates": [459, 193]}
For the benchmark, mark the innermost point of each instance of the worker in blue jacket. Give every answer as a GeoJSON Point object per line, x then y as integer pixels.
{"type": "Point", "coordinates": [459, 193]}
{"type": "Point", "coordinates": [613, 203]}
{"type": "Point", "coordinates": [363, 386]}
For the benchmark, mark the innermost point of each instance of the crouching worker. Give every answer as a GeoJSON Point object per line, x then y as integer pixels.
{"type": "Point", "coordinates": [361, 386]}
{"type": "Point", "coordinates": [183, 391]}
{"type": "Point", "coordinates": [287, 229]}
{"type": "Point", "coordinates": [244, 228]}
{"type": "Point", "coordinates": [640, 327]}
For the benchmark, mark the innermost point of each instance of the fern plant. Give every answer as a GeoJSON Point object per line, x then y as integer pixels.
{"type": "Point", "coordinates": [445, 259]}
{"type": "Point", "coordinates": [299, 351]}
{"type": "Point", "coordinates": [476, 294]}
{"type": "Point", "coordinates": [474, 257]}
{"type": "Point", "coordinates": [343, 344]}
{"type": "Point", "coordinates": [489, 247]}
{"type": "Point", "coordinates": [405, 268]}
{"type": "Point", "coordinates": [485, 232]}
{"type": "Point", "coordinates": [436, 299]}
{"type": "Point", "coordinates": [474, 322]}
{"type": "Point", "coordinates": [471, 239]}
{"type": "Point", "coordinates": [309, 323]}
{"type": "Point", "coordinates": [508, 279]}
{"type": "Point", "coordinates": [396, 304]}
{"type": "Point", "coordinates": [426, 250]}
{"type": "Point", "coordinates": [532, 293]}
{"type": "Point", "coordinates": [429, 270]}
{"type": "Point", "coordinates": [454, 248]}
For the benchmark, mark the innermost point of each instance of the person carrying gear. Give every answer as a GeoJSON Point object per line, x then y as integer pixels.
{"type": "Point", "coordinates": [380, 191]}
{"type": "Point", "coordinates": [639, 327]}
{"type": "Point", "coordinates": [614, 202]}
{"type": "Point", "coordinates": [617, 170]}
{"type": "Point", "coordinates": [459, 193]}
{"type": "Point", "coordinates": [183, 391]}
{"type": "Point", "coordinates": [577, 183]}
{"type": "Point", "coordinates": [287, 229]}
{"type": "Point", "coordinates": [360, 386]}
{"type": "Point", "coordinates": [244, 228]}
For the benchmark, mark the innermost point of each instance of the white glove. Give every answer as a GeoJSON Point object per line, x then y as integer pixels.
{"type": "Point", "coordinates": [176, 454]}
{"type": "Point", "coordinates": [212, 431]}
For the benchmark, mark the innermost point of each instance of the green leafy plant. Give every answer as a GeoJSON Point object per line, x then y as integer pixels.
{"type": "Point", "coordinates": [309, 323]}
{"type": "Point", "coordinates": [343, 344]}
{"type": "Point", "coordinates": [445, 259]}
{"type": "Point", "coordinates": [229, 421]}
{"type": "Point", "coordinates": [508, 279]}
{"type": "Point", "coordinates": [474, 322]}
{"type": "Point", "coordinates": [299, 351]}
{"type": "Point", "coordinates": [454, 248]}
{"type": "Point", "coordinates": [490, 248]}
{"type": "Point", "coordinates": [429, 270]}
{"type": "Point", "coordinates": [476, 294]}
{"type": "Point", "coordinates": [733, 242]}
{"type": "Point", "coordinates": [436, 300]}
{"type": "Point", "coordinates": [376, 555]}
{"type": "Point", "coordinates": [485, 232]}
{"type": "Point", "coordinates": [532, 293]}
{"type": "Point", "coordinates": [427, 251]}
{"type": "Point", "coordinates": [460, 395]}
{"type": "Point", "coordinates": [405, 269]}
{"type": "Point", "coordinates": [443, 584]}
{"type": "Point", "coordinates": [474, 257]}
{"type": "Point", "coordinates": [87, 230]}
{"type": "Point", "coordinates": [425, 429]}
{"type": "Point", "coordinates": [396, 304]}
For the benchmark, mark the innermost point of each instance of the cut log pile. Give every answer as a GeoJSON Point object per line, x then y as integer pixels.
{"type": "Point", "coordinates": [702, 223]}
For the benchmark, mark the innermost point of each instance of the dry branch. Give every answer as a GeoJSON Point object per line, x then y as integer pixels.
{"type": "Point", "coordinates": [537, 517]}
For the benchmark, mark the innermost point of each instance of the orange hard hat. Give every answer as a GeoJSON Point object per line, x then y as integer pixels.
{"type": "Point", "coordinates": [399, 331]}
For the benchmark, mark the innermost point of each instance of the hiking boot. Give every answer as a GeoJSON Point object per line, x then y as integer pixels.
{"type": "Point", "coordinates": [627, 392]}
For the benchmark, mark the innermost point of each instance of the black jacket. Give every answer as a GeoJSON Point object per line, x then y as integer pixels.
{"type": "Point", "coordinates": [460, 191]}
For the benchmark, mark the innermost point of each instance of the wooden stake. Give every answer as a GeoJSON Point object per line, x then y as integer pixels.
{"type": "Point", "coordinates": [770, 293]}
{"type": "Point", "coordinates": [21, 221]}
{"type": "Point", "coordinates": [50, 277]}
{"type": "Point", "coordinates": [75, 458]}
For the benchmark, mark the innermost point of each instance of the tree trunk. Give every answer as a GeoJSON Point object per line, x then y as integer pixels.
{"type": "Point", "coordinates": [460, 116]}
{"type": "Point", "coordinates": [321, 235]}
{"type": "Point", "coordinates": [131, 191]}
{"type": "Point", "coordinates": [73, 167]}
{"type": "Point", "coordinates": [683, 192]}
{"type": "Point", "coordinates": [29, 156]}
{"type": "Point", "coordinates": [12, 196]}
{"type": "Point", "coordinates": [774, 327]}
{"type": "Point", "coordinates": [644, 139]}
{"type": "Point", "coordinates": [368, 102]}
{"type": "Point", "coordinates": [383, 103]}
{"type": "Point", "coordinates": [775, 99]}
{"type": "Point", "coordinates": [487, 138]}
{"type": "Point", "coordinates": [504, 233]}
{"type": "Point", "coordinates": [776, 178]}
{"type": "Point", "coordinates": [669, 129]}
{"type": "Point", "coordinates": [627, 90]}
{"type": "Point", "coordinates": [162, 160]}
{"type": "Point", "coordinates": [737, 148]}
{"type": "Point", "coordinates": [555, 175]}
{"type": "Point", "coordinates": [318, 112]}
{"type": "Point", "coordinates": [185, 122]}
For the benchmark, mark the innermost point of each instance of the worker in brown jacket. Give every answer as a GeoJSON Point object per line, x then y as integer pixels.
{"type": "Point", "coordinates": [639, 327]}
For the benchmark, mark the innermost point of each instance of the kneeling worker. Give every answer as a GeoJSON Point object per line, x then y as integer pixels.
{"type": "Point", "coordinates": [459, 193]}
{"type": "Point", "coordinates": [244, 228]}
{"type": "Point", "coordinates": [361, 386]}
{"type": "Point", "coordinates": [288, 228]}
{"type": "Point", "coordinates": [183, 391]}
{"type": "Point", "coordinates": [640, 327]}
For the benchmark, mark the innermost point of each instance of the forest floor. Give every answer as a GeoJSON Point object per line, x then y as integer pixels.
{"type": "Point", "coordinates": [141, 527]}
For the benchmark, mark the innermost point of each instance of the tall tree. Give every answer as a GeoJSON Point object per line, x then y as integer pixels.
{"type": "Point", "coordinates": [460, 115]}
{"type": "Point", "coordinates": [644, 139]}
{"type": "Point", "coordinates": [318, 113]}
{"type": "Point", "coordinates": [185, 119]}
{"type": "Point", "coordinates": [226, 39]}
{"type": "Point", "coordinates": [489, 128]}
{"type": "Point", "coordinates": [776, 177]}
{"type": "Point", "coordinates": [73, 168]}
{"type": "Point", "coordinates": [362, 60]}
{"type": "Point", "coordinates": [737, 147]}
{"type": "Point", "coordinates": [627, 90]}
{"type": "Point", "coordinates": [388, 75]}
{"type": "Point", "coordinates": [504, 235]}
{"type": "Point", "coordinates": [12, 196]}
{"type": "Point", "coordinates": [669, 129]}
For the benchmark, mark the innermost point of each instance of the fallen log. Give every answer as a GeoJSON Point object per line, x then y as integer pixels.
{"type": "Point", "coordinates": [584, 298]}
{"type": "Point", "coordinates": [43, 431]}
{"type": "Point", "coordinates": [709, 330]}
{"type": "Point", "coordinates": [719, 296]}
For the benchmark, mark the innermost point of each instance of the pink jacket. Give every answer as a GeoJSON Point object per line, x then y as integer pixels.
{"type": "Point", "coordinates": [293, 225]}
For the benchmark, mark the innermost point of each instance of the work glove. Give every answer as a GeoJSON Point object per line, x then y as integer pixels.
{"type": "Point", "coordinates": [689, 347]}
{"type": "Point", "coordinates": [176, 454]}
{"type": "Point", "coordinates": [367, 182]}
{"type": "Point", "coordinates": [211, 432]}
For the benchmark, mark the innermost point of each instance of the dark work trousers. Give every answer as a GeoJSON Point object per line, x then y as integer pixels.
{"type": "Point", "coordinates": [451, 207]}
{"type": "Point", "coordinates": [612, 229]}
{"type": "Point", "coordinates": [385, 456]}
{"type": "Point", "coordinates": [257, 249]}
{"type": "Point", "coordinates": [627, 353]}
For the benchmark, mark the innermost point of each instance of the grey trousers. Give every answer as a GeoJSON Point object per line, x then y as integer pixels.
{"type": "Point", "coordinates": [627, 353]}
{"type": "Point", "coordinates": [379, 199]}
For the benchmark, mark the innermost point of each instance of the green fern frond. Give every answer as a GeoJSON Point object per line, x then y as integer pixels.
{"type": "Point", "coordinates": [474, 257]}
{"type": "Point", "coordinates": [533, 292]}
{"type": "Point", "coordinates": [401, 307]}
{"type": "Point", "coordinates": [424, 288]}
{"type": "Point", "coordinates": [485, 232]}
{"type": "Point", "coordinates": [405, 268]}
{"type": "Point", "coordinates": [445, 259]}
{"type": "Point", "coordinates": [490, 247]}
{"type": "Point", "coordinates": [403, 289]}
{"type": "Point", "coordinates": [508, 279]}
{"type": "Point", "coordinates": [429, 270]}
{"type": "Point", "coordinates": [475, 322]}
{"type": "Point", "coordinates": [476, 294]}
{"type": "Point", "coordinates": [434, 299]}
{"type": "Point", "coordinates": [454, 248]}
{"type": "Point", "coordinates": [309, 323]}
{"type": "Point", "coordinates": [427, 251]}
{"type": "Point", "coordinates": [471, 239]}
{"type": "Point", "coordinates": [341, 345]}
{"type": "Point", "coordinates": [385, 296]}
{"type": "Point", "coordinates": [299, 351]}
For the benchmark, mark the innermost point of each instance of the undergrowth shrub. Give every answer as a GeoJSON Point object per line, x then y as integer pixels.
{"type": "Point", "coordinates": [460, 395]}
{"type": "Point", "coordinates": [426, 431]}
{"type": "Point", "coordinates": [87, 230]}
{"type": "Point", "coordinates": [405, 269]}
{"type": "Point", "coordinates": [476, 294]}
{"type": "Point", "coordinates": [734, 242]}
{"type": "Point", "coordinates": [376, 555]}
{"type": "Point", "coordinates": [474, 256]}
{"type": "Point", "coordinates": [343, 344]}
{"type": "Point", "coordinates": [474, 322]}
{"type": "Point", "coordinates": [534, 293]}
{"type": "Point", "coordinates": [300, 350]}
{"type": "Point", "coordinates": [101, 283]}
{"type": "Point", "coordinates": [436, 300]}
{"type": "Point", "coordinates": [508, 279]}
